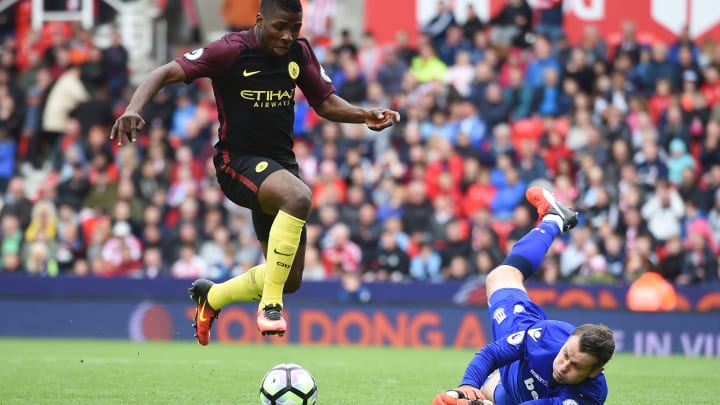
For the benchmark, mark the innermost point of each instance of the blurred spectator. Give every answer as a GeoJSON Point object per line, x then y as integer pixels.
{"type": "Point", "coordinates": [678, 160]}
{"type": "Point", "coordinates": [340, 255]}
{"type": "Point", "coordinates": [511, 25]}
{"type": "Point", "coordinates": [701, 263]}
{"type": "Point", "coordinates": [473, 24]}
{"type": "Point", "coordinates": [672, 263]}
{"type": "Point", "coordinates": [550, 18]}
{"type": "Point", "coordinates": [189, 264]}
{"type": "Point", "coordinates": [15, 203]}
{"type": "Point", "coordinates": [391, 263]}
{"type": "Point", "coordinates": [437, 27]}
{"type": "Point", "coordinates": [43, 223]}
{"type": "Point", "coordinates": [40, 260]}
{"type": "Point", "coordinates": [115, 60]}
{"type": "Point", "coordinates": [318, 20]}
{"type": "Point", "coordinates": [66, 94]}
{"type": "Point", "coordinates": [239, 15]}
{"type": "Point", "coordinates": [663, 212]}
{"type": "Point", "coordinates": [542, 59]}
{"type": "Point", "coordinates": [391, 70]}
{"type": "Point", "coordinates": [651, 293]}
{"type": "Point", "coordinates": [426, 265]}
{"type": "Point", "coordinates": [426, 66]}
{"type": "Point", "coordinates": [122, 253]}
{"type": "Point", "coordinates": [628, 42]}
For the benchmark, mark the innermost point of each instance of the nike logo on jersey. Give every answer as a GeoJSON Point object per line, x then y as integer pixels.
{"type": "Point", "coordinates": [248, 74]}
{"type": "Point", "coordinates": [281, 253]}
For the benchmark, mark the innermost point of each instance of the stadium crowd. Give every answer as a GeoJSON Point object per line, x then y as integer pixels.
{"type": "Point", "coordinates": [626, 130]}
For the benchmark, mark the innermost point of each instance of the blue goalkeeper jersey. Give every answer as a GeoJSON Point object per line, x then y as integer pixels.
{"type": "Point", "coordinates": [528, 380]}
{"type": "Point", "coordinates": [526, 344]}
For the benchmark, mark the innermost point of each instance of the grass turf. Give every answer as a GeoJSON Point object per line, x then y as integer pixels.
{"type": "Point", "coordinates": [120, 372]}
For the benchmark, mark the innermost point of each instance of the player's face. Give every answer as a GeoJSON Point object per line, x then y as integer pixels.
{"type": "Point", "coordinates": [571, 366]}
{"type": "Point", "coordinates": [277, 30]}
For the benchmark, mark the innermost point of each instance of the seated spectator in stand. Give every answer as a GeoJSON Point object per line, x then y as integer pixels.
{"type": "Point", "coordinates": [391, 262]}
{"type": "Point", "coordinates": [548, 99]}
{"type": "Point", "coordinates": [438, 25]}
{"type": "Point", "coordinates": [189, 264]}
{"type": "Point", "coordinates": [40, 259]}
{"type": "Point", "coordinates": [426, 264]}
{"type": "Point", "coordinates": [663, 212]}
{"type": "Point", "coordinates": [509, 194]}
{"type": "Point", "coordinates": [511, 24]}
{"type": "Point", "coordinates": [678, 161]}
{"type": "Point", "coordinates": [43, 225]}
{"type": "Point", "coordinates": [426, 66]}
{"type": "Point", "coordinates": [153, 264]}
{"type": "Point", "coordinates": [392, 70]}
{"type": "Point", "coordinates": [122, 253]}
{"type": "Point", "coordinates": [671, 264]}
{"type": "Point", "coordinates": [339, 254]}
{"type": "Point", "coordinates": [453, 44]}
{"type": "Point", "coordinates": [16, 203]}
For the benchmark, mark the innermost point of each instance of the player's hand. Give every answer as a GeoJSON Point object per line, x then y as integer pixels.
{"type": "Point", "coordinates": [463, 395]}
{"type": "Point", "coordinates": [378, 119]}
{"type": "Point", "coordinates": [127, 125]}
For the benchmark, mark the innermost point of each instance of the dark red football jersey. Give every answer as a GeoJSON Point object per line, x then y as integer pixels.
{"type": "Point", "coordinates": [255, 91]}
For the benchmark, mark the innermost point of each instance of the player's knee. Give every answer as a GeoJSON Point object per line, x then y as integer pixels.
{"type": "Point", "coordinates": [504, 276]}
{"type": "Point", "coordinates": [300, 201]}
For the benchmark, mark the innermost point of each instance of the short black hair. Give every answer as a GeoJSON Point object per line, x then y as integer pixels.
{"type": "Point", "coordinates": [596, 340]}
{"type": "Point", "coordinates": [291, 6]}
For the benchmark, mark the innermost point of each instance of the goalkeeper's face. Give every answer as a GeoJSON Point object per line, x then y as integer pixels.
{"type": "Point", "coordinates": [571, 366]}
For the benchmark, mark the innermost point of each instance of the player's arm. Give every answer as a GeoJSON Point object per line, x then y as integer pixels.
{"type": "Point", "coordinates": [335, 108]}
{"type": "Point", "coordinates": [491, 357]}
{"type": "Point", "coordinates": [130, 122]}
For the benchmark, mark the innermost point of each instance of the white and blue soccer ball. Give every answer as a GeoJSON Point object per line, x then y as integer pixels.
{"type": "Point", "coordinates": [288, 384]}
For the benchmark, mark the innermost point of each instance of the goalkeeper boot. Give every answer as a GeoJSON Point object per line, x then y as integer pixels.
{"type": "Point", "coordinates": [204, 313]}
{"type": "Point", "coordinates": [270, 320]}
{"type": "Point", "coordinates": [546, 204]}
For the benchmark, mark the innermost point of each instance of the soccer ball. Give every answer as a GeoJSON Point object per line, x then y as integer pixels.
{"type": "Point", "coordinates": [288, 384]}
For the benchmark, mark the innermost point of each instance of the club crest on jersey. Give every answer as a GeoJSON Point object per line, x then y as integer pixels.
{"type": "Point", "coordinates": [293, 70]}
{"type": "Point", "coordinates": [260, 167]}
{"type": "Point", "coordinates": [499, 315]}
{"type": "Point", "coordinates": [569, 402]}
{"type": "Point", "coordinates": [194, 54]}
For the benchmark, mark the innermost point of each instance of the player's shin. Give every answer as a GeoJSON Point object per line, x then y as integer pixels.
{"type": "Point", "coordinates": [283, 243]}
{"type": "Point", "coordinates": [245, 287]}
{"type": "Point", "coordinates": [528, 253]}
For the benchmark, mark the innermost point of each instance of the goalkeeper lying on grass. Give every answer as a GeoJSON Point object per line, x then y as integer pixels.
{"type": "Point", "coordinates": [534, 360]}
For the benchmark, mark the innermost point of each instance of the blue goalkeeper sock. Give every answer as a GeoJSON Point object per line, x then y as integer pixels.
{"type": "Point", "coordinates": [528, 253]}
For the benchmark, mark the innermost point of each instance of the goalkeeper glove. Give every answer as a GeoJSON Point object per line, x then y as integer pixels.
{"type": "Point", "coordinates": [464, 395]}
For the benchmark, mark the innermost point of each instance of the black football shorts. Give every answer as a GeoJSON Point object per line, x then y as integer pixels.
{"type": "Point", "coordinates": [240, 177]}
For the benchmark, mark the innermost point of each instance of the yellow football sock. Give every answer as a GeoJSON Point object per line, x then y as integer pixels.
{"type": "Point", "coordinates": [245, 287]}
{"type": "Point", "coordinates": [283, 243]}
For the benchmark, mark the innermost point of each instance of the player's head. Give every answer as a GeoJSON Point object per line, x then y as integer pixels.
{"type": "Point", "coordinates": [584, 354]}
{"type": "Point", "coordinates": [278, 25]}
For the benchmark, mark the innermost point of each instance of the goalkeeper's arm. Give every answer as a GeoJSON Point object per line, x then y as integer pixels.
{"type": "Point", "coordinates": [490, 358]}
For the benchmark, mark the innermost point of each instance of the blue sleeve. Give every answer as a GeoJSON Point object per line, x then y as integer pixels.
{"type": "Point", "coordinates": [493, 356]}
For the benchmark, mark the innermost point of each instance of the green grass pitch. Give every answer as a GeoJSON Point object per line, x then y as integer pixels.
{"type": "Point", "coordinates": [119, 372]}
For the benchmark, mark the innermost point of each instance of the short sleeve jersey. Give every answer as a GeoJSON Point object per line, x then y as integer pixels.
{"type": "Point", "coordinates": [255, 91]}
{"type": "Point", "coordinates": [530, 377]}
